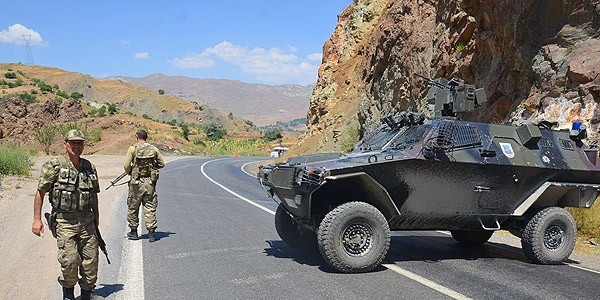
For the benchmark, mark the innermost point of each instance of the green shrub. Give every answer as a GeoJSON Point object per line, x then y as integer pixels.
{"type": "Point", "coordinates": [102, 111]}
{"type": "Point", "coordinates": [92, 136]}
{"type": "Point", "coordinates": [14, 161]}
{"type": "Point", "coordinates": [273, 134]}
{"type": "Point", "coordinates": [185, 131]}
{"type": "Point", "coordinates": [245, 147]}
{"type": "Point", "coordinates": [587, 220]}
{"type": "Point", "coordinates": [45, 88]}
{"type": "Point", "coordinates": [10, 75]}
{"type": "Point", "coordinates": [214, 131]}
{"type": "Point", "coordinates": [62, 94]}
{"type": "Point", "coordinates": [112, 108]}
{"type": "Point", "coordinates": [46, 136]}
{"type": "Point", "coordinates": [27, 98]}
{"type": "Point", "coordinates": [350, 140]}
{"type": "Point", "coordinates": [76, 95]}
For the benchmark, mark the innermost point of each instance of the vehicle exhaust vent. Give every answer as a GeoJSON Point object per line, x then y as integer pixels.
{"type": "Point", "coordinates": [546, 143]}
{"type": "Point", "coordinates": [567, 144]}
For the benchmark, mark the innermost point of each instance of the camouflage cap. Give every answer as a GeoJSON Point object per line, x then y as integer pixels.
{"type": "Point", "coordinates": [74, 135]}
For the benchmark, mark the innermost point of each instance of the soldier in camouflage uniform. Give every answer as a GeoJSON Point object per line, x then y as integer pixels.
{"type": "Point", "coordinates": [72, 185]}
{"type": "Point", "coordinates": [142, 163]}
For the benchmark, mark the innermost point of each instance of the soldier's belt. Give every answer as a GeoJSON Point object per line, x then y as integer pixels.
{"type": "Point", "coordinates": [73, 215]}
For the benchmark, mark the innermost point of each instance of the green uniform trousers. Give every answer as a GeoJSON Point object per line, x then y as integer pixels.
{"type": "Point", "coordinates": [142, 191]}
{"type": "Point", "coordinates": [77, 249]}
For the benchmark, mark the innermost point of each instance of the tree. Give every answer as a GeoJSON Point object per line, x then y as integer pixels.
{"type": "Point", "coordinates": [102, 111]}
{"type": "Point", "coordinates": [76, 95]}
{"type": "Point", "coordinates": [45, 136]}
{"type": "Point", "coordinates": [214, 131]}
{"type": "Point", "coordinates": [112, 108]}
{"type": "Point", "coordinates": [274, 134]}
{"type": "Point", "coordinates": [185, 131]}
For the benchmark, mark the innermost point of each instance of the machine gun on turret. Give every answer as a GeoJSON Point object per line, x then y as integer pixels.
{"type": "Point", "coordinates": [453, 96]}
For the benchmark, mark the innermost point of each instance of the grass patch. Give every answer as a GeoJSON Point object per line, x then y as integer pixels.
{"type": "Point", "coordinates": [245, 147]}
{"type": "Point", "coordinates": [14, 160]}
{"type": "Point", "coordinates": [588, 220]}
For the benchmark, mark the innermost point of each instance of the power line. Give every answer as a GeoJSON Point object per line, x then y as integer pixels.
{"type": "Point", "coordinates": [28, 55]}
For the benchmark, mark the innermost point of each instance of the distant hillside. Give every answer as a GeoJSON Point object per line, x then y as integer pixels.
{"type": "Point", "coordinates": [259, 103]}
{"type": "Point", "coordinates": [129, 98]}
{"type": "Point", "coordinates": [34, 96]}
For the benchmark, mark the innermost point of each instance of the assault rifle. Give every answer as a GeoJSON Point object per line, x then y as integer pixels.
{"type": "Point", "coordinates": [113, 183]}
{"type": "Point", "coordinates": [102, 244]}
{"type": "Point", "coordinates": [51, 222]}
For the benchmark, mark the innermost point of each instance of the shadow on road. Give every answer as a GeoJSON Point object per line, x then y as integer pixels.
{"type": "Point", "coordinates": [108, 289]}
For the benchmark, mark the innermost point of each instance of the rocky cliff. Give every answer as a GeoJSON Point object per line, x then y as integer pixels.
{"type": "Point", "coordinates": [535, 59]}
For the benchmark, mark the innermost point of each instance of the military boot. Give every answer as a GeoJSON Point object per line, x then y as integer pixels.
{"type": "Point", "coordinates": [68, 293]}
{"type": "Point", "coordinates": [132, 235]}
{"type": "Point", "coordinates": [151, 235]}
{"type": "Point", "coordinates": [86, 295]}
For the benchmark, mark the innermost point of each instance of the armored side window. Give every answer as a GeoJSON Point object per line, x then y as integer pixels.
{"type": "Point", "coordinates": [465, 136]}
{"type": "Point", "coordinates": [452, 136]}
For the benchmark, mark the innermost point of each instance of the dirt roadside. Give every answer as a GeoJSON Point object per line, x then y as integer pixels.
{"type": "Point", "coordinates": [28, 265]}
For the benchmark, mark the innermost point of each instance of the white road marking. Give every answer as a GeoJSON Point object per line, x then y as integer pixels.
{"type": "Point", "coordinates": [520, 251]}
{"type": "Point", "coordinates": [230, 191]}
{"type": "Point", "coordinates": [392, 267]}
{"type": "Point", "coordinates": [131, 272]}
{"type": "Point", "coordinates": [426, 282]}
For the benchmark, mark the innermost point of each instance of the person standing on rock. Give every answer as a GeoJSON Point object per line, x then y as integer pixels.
{"type": "Point", "coordinates": [72, 186]}
{"type": "Point", "coordinates": [142, 163]}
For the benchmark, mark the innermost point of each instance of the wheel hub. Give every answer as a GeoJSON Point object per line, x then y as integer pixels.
{"type": "Point", "coordinates": [553, 237]}
{"type": "Point", "coordinates": [357, 239]}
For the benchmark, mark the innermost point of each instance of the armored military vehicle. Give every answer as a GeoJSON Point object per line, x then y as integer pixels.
{"type": "Point", "coordinates": [437, 173]}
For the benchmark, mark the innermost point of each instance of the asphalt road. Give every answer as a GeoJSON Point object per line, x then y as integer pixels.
{"type": "Point", "coordinates": [217, 240]}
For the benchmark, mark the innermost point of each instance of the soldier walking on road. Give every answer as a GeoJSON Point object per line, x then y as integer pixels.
{"type": "Point", "coordinates": [142, 163]}
{"type": "Point", "coordinates": [72, 185]}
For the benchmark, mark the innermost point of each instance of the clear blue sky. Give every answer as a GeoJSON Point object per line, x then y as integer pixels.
{"type": "Point", "coordinates": [260, 41]}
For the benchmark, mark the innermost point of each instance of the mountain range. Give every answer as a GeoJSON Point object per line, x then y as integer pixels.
{"type": "Point", "coordinates": [259, 103]}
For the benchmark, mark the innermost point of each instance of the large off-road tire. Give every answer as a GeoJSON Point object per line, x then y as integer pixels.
{"type": "Point", "coordinates": [290, 233]}
{"type": "Point", "coordinates": [472, 238]}
{"type": "Point", "coordinates": [354, 237]}
{"type": "Point", "coordinates": [549, 236]}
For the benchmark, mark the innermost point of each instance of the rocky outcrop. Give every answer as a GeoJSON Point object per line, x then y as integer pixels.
{"type": "Point", "coordinates": [535, 59]}
{"type": "Point", "coordinates": [18, 120]}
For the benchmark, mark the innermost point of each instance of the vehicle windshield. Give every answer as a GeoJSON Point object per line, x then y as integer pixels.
{"type": "Point", "coordinates": [411, 135]}
{"type": "Point", "coordinates": [376, 139]}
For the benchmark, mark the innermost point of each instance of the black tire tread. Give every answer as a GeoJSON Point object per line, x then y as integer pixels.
{"type": "Point", "coordinates": [532, 241]}
{"type": "Point", "coordinates": [329, 248]}
{"type": "Point", "coordinates": [288, 231]}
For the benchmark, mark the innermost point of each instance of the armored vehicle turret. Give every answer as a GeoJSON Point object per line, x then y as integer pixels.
{"type": "Point", "coordinates": [437, 173]}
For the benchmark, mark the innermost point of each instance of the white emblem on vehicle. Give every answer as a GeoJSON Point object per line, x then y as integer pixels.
{"type": "Point", "coordinates": [507, 150]}
{"type": "Point", "coordinates": [545, 159]}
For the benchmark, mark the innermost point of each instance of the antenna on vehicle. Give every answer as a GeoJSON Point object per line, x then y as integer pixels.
{"type": "Point", "coordinates": [28, 55]}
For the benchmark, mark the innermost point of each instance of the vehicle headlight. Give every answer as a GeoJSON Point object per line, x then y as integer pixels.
{"type": "Point", "coordinates": [310, 175]}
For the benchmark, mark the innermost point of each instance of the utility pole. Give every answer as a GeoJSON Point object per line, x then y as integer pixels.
{"type": "Point", "coordinates": [28, 56]}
